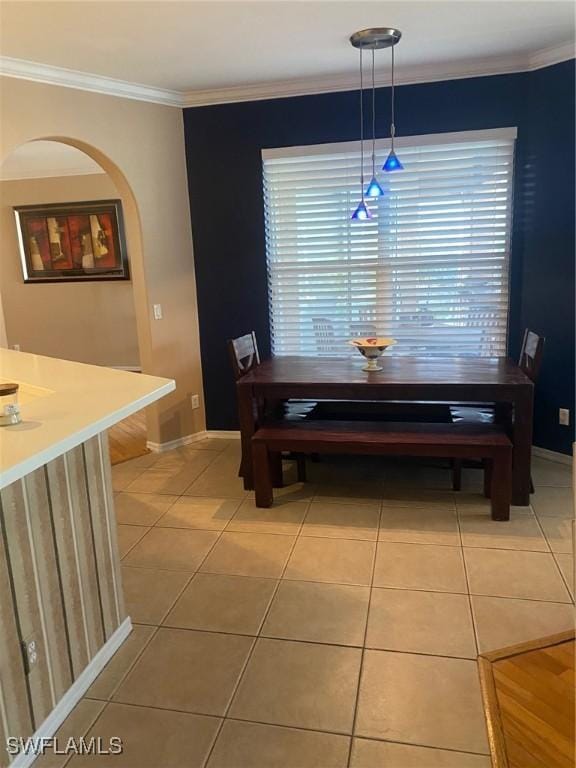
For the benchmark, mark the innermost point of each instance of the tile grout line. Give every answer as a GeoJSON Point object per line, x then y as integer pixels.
{"type": "Point", "coordinates": [250, 653]}
{"type": "Point", "coordinates": [363, 651]}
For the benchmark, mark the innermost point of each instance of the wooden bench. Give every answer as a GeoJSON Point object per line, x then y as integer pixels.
{"type": "Point", "coordinates": [488, 442]}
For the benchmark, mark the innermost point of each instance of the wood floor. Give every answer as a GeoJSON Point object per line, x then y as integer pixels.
{"type": "Point", "coordinates": [529, 699]}
{"type": "Point", "coordinates": [127, 439]}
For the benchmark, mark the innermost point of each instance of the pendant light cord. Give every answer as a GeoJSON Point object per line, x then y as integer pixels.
{"type": "Point", "coordinates": [361, 126]}
{"type": "Point", "coordinates": [373, 120]}
{"type": "Point", "coordinates": [392, 126]}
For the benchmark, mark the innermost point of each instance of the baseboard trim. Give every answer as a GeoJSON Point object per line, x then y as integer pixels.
{"type": "Point", "coordinates": [76, 691]}
{"type": "Point", "coordinates": [559, 458]}
{"type": "Point", "coordinates": [227, 434]}
{"type": "Point", "coordinates": [189, 439]}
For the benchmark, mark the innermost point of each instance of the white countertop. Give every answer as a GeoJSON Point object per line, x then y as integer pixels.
{"type": "Point", "coordinates": [63, 404]}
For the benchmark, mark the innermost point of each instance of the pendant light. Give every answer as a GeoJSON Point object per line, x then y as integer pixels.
{"type": "Point", "coordinates": [372, 40]}
{"type": "Point", "coordinates": [392, 163]}
{"type": "Point", "coordinates": [362, 212]}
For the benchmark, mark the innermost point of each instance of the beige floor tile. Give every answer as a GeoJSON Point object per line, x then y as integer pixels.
{"type": "Point", "coordinates": [557, 502]}
{"type": "Point", "coordinates": [346, 521]}
{"type": "Point", "coordinates": [321, 613]}
{"type": "Point", "coordinates": [151, 738]}
{"type": "Point", "coordinates": [284, 517]}
{"type": "Point", "coordinates": [218, 444]}
{"type": "Point", "coordinates": [251, 745]}
{"type": "Point", "coordinates": [186, 671]}
{"type": "Point", "coordinates": [520, 532]}
{"type": "Point", "coordinates": [558, 532]}
{"type": "Point", "coordinates": [223, 604]}
{"type": "Point", "coordinates": [367, 753]}
{"type": "Point", "coordinates": [129, 536]}
{"type": "Point", "coordinates": [123, 476]}
{"type": "Point", "coordinates": [292, 491]}
{"type": "Point", "coordinates": [198, 512]}
{"type": "Point", "coordinates": [331, 560]}
{"type": "Point", "coordinates": [435, 623]}
{"type": "Point", "coordinates": [475, 503]}
{"type": "Point", "coordinates": [566, 565]}
{"type": "Point", "coordinates": [546, 472]}
{"type": "Point", "coordinates": [114, 672]}
{"type": "Point", "coordinates": [150, 593]}
{"type": "Point", "coordinates": [142, 508]}
{"type": "Point", "coordinates": [419, 525]}
{"type": "Point", "coordinates": [510, 573]}
{"type": "Point", "coordinates": [75, 726]}
{"type": "Point", "coordinates": [220, 478]}
{"type": "Point", "coordinates": [186, 456]}
{"type": "Point", "coordinates": [502, 621]}
{"type": "Point", "coordinates": [299, 684]}
{"type": "Point", "coordinates": [424, 700]}
{"type": "Point", "coordinates": [172, 549]}
{"type": "Point", "coordinates": [420, 566]}
{"type": "Point", "coordinates": [368, 494]}
{"type": "Point", "coordinates": [249, 554]}
{"type": "Point", "coordinates": [168, 478]}
{"type": "Point", "coordinates": [417, 497]}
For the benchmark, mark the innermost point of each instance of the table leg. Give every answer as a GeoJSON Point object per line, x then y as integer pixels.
{"type": "Point", "coordinates": [522, 441]}
{"type": "Point", "coordinates": [247, 429]}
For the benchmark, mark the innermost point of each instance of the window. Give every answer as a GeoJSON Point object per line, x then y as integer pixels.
{"type": "Point", "coordinates": [429, 269]}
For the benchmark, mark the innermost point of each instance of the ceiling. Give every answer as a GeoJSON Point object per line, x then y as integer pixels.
{"type": "Point", "coordinates": [198, 46]}
{"type": "Point", "coordinates": [43, 159]}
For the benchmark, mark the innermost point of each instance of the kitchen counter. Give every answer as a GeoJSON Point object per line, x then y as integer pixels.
{"type": "Point", "coordinates": [62, 611]}
{"type": "Point", "coordinates": [63, 404]}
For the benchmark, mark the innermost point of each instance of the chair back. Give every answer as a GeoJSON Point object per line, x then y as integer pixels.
{"type": "Point", "coordinates": [531, 354]}
{"type": "Point", "coordinates": [243, 353]}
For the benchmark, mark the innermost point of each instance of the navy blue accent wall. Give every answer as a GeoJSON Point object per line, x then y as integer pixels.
{"type": "Point", "coordinates": [223, 146]}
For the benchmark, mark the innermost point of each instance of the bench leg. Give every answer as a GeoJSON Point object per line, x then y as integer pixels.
{"type": "Point", "coordinates": [501, 489]}
{"type": "Point", "coordinates": [487, 463]}
{"type": "Point", "coordinates": [262, 475]}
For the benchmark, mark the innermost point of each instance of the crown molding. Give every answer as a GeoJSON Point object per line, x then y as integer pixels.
{"type": "Point", "coordinates": [413, 75]}
{"type": "Point", "coordinates": [410, 75]}
{"type": "Point", "coordinates": [83, 81]}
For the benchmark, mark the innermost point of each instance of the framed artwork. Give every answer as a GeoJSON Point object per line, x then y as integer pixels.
{"type": "Point", "coordinates": [72, 242]}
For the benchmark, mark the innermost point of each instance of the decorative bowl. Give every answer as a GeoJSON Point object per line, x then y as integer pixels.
{"type": "Point", "coordinates": [371, 348]}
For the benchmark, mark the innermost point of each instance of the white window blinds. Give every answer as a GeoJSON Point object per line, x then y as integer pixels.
{"type": "Point", "coordinates": [429, 269]}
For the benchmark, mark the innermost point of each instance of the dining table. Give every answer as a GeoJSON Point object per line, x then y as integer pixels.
{"type": "Point", "coordinates": [477, 380]}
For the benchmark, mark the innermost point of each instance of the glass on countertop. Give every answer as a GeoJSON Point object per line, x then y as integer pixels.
{"type": "Point", "coordinates": [9, 407]}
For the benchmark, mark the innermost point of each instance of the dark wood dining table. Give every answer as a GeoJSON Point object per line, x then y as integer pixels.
{"type": "Point", "coordinates": [451, 380]}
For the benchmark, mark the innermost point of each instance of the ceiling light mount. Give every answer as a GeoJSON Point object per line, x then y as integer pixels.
{"type": "Point", "coordinates": [376, 38]}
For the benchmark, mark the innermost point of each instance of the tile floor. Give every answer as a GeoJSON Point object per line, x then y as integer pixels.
{"type": "Point", "coordinates": [339, 628]}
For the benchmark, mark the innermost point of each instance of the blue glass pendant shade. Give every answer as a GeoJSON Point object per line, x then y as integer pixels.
{"type": "Point", "coordinates": [374, 189]}
{"type": "Point", "coordinates": [362, 212]}
{"type": "Point", "coordinates": [392, 163]}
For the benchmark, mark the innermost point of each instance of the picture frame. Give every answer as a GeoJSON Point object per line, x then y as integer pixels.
{"type": "Point", "coordinates": [72, 242]}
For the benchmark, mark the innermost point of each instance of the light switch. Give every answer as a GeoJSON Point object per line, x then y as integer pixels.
{"type": "Point", "coordinates": [157, 311]}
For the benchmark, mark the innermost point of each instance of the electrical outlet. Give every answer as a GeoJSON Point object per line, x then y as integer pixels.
{"type": "Point", "coordinates": [16, 347]}
{"type": "Point", "coordinates": [195, 401]}
{"type": "Point", "coordinates": [30, 651]}
{"type": "Point", "coordinates": [564, 417]}
{"type": "Point", "coordinates": [157, 311]}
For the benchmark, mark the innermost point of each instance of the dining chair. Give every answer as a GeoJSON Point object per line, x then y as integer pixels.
{"type": "Point", "coordinates": [530, 362]}
{"type": "Point", "coordinates": [244, 356]}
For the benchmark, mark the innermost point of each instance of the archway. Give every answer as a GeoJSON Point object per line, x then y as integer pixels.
{"type": "Point", "coordinates": [120, 307]}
